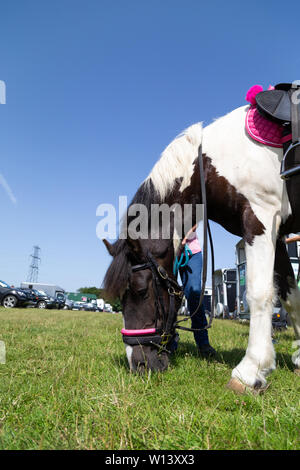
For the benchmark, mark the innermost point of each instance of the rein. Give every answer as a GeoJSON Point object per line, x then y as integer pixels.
{"type": "Point", "coordinates": [206, 229]}
{"type": "Point", "coordinates": [162, 337]}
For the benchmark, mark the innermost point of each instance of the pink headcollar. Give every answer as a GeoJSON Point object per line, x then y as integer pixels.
{"type": "Point", "coordinates": [147, 331]}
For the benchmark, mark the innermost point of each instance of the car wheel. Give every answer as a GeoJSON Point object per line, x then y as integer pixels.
{"type": "Point", "coordinates": [42, 304]}
{"type": "Point", "coordinates": [9, 301]}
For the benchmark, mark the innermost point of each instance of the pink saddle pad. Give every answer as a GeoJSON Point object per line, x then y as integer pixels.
{"type": "Point", "coordinates": [260, 129]}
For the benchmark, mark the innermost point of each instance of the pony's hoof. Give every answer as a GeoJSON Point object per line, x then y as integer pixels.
{"type": "Point", "coordinates": [238, 387]}
{"type": "Point", "coordinates": [297, 371]}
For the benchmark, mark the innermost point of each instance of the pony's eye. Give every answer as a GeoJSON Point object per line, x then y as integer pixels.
{"type": "Point", "coordinates": [163, 254]}
{"type": "Point", "coordinates": [142, 292]}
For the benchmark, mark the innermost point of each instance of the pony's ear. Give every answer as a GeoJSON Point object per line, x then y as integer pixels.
{"type": "Point", "coordinates": [134, 245]}
{"type": "Point", "coordinates": [110, 248]}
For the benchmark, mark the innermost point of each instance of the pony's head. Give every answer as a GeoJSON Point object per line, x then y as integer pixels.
{"type": "Point", "coordinates": [141, 274]}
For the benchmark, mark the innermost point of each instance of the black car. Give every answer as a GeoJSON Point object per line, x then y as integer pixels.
{"type": "Point", "coordinates": [44, 301]}
{"type": "Point", "coordinates": [32, 296]}
{"type": "Point", "coordinates": [12, 297]}
{"type": "Point", "coordinates": [60, 300]}
{"type": "Point", "coordinates": [39, 299]}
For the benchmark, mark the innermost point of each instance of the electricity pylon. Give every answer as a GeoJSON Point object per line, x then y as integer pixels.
{"type": "Point", "coordinates": [33, 272]}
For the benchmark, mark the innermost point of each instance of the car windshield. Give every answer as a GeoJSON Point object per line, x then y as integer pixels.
{"type": "Point", "coordinates": [41, 292]}
{"type": "Point", "coordinates": [4, 284]}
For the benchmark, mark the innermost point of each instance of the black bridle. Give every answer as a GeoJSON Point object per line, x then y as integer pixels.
{"type": "Point", "coordinates": [160, 336]}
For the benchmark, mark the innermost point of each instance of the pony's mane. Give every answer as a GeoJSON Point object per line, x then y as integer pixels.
{"type": "Point", "coordinates": [176, 161]}
{"type": "Point", "coordinates": [175, 164]}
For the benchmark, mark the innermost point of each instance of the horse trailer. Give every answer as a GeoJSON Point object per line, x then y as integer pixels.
{"type": "Point", "coordinates": [206, 303]}
{"type": "Point", "coordinates": [243, 311]}
{"type": "Point", "coordinates": [225, 292]}
{"type": "Point", "coordinates": [293, 249]}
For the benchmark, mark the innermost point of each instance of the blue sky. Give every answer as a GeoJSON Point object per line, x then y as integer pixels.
{"type": "Point", "coordinates": [96, 89]}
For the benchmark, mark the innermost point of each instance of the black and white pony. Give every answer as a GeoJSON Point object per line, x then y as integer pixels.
{"type": "Point", "coordinates": [245, 195]}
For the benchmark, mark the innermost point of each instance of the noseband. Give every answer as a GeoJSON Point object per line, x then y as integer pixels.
{"type": "Point", "coordinates": [158, 337]}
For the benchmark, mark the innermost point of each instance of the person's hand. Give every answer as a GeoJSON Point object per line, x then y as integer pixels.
{"type": "Point", "coordinates": [188, 234]}
{"type": "Point", "coordinates": [292, 239]}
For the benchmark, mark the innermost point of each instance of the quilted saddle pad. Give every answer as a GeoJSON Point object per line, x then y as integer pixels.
{"type": "Point", "coordinates": [262, 130]}
{"type": "Point", "coordinates": [259, 128]}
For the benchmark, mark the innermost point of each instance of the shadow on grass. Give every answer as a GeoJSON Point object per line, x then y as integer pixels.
{"type": "Point", "coordinates": [284, 361]}
{"type": "Point", "coordinates": [228, 357]}
{"type": "Point", "coordinates": [231, 357]}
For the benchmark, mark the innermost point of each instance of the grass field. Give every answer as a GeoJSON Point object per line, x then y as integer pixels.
{"type": "Point", "coordinates": [66, 385]}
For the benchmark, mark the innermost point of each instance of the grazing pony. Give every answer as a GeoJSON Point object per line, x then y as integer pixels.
{"type": "Point", "coordinates": [245, 195]}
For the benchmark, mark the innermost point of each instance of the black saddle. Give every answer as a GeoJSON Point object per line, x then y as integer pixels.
{"type": "Point", "coordinates": [276, 104]}
{"type": "Point", "coordinates": [282, 105]}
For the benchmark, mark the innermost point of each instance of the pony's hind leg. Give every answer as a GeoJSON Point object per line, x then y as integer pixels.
{"type": "Point", "coordinates": [289, 293]}
{"type": "Point", "coordinates": [259, 359]}
{"type": "Point", "coordinates": [292, 306]}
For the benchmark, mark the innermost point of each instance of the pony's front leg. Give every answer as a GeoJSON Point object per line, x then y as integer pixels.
{"type": "Point", "coordinates": [259, 360]}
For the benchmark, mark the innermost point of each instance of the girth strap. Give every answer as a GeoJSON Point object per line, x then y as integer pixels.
{"type": "Point", "coordinates": [290, 165]}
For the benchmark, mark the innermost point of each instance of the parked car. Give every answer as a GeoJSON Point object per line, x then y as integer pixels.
{"type": "Point", "coordinates": [32, 296]}
{"type": "Point", "coordinates": [12, 297]}
{"type": "Point", "coordinates": [90, 307]}
{"type": "Point", "coordinates": [69, 304]}
{"type": "Point", "coordinates": [60, 300]}
{"type": "Point", "coordinates": [44, 301]}
{"type": "Point", "coordinates": [53, 292]}
{"type": "Point", "coordinates": [40, 299]}
{"type": "Point", "coordinates": [77, 306]}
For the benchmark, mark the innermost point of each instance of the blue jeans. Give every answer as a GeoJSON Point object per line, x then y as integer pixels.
{"type": "Point", "coordinates": [191, 276]}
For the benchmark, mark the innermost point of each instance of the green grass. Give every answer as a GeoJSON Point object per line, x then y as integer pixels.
{"type": "Point", "coordinates": [66, 385]}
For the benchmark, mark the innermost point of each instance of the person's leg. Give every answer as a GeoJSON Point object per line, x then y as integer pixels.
{"type": "Point", "coordinates": [191, 276]}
